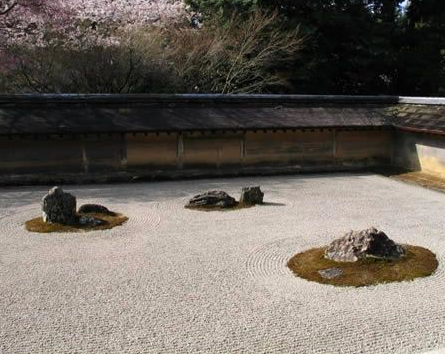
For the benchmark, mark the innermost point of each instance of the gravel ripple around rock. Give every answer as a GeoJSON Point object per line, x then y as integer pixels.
{"type": "Point", "coordinates": [171, 280]}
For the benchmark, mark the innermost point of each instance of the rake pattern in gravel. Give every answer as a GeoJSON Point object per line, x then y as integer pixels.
{"type": "Point", "coordinates": [173, 280]}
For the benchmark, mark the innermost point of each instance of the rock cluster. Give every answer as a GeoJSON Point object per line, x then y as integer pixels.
{"type": "Point", "coordinates": [212, 199]}
{"type": "Point", "coordinates": [59, 207]}
{"type": "Point", "coordinates": [251, 196]}
{"type": "Point", "coordinates": [357, 245]}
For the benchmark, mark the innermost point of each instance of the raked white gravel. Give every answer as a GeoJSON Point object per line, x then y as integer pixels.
{"type": "Point", "coordinates": [173, 280]}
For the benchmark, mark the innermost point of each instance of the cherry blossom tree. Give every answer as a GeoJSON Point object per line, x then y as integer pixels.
{"type": "Point", "coordinates": [125, 46]}
{"type": "Point", "coordinates": [18, 19]}
{"type": "Point", "coordinates": [128, 12]}
{"type": "Point", "coordinates": [7, 6]}
{"type": "Point", "coordinates": [76, 22]}
{"type": "Point", "coordinates": [24, 18]}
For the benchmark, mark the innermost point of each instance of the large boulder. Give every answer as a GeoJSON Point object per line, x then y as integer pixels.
{"type": "Point", "coordinates": [212, 199]}
{"type": "Point", "coordinates": [357, 245]}
{"type": "Point", "coordinates": [59, 207]}
{"type": "Point", "coordinates": [251, 196]}
{"type": "Point", "coordinates": [94, 208]}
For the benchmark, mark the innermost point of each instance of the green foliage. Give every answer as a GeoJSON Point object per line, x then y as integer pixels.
{"type": "Point", "coordinates": [422, 49]}
{"type": "Point", "coordinates": [358, 46]}
{"type": "Point", "coordinates": [350, 47]}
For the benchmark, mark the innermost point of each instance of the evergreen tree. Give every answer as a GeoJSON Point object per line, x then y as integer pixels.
{"type": "Point", "coordinates": [358, 46]}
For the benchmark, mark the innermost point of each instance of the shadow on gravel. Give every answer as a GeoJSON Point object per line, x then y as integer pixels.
{"type": "Point", "coordinates": [272, 204]}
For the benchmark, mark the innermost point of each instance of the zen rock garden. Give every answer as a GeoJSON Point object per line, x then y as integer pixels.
{"type": "Point", "coordinates": [218, 200]}
{"type": "Point", "coordinates": [271, 269]}
{"type": "Point", "coordinates": [360, 258]}
{"type": "Point", "coordinates": [60, 214]}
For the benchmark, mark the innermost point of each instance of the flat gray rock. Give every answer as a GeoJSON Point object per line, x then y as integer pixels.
{"type": "Point", "coordinates": [212, 198]}
{"type": "Point", "coordinates": [330, 273]}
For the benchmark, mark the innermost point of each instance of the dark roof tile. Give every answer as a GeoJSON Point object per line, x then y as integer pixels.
{"type": "Point", "coordinates": [102, 118]}
{"type": "Point", "coordinates": [48, 114]}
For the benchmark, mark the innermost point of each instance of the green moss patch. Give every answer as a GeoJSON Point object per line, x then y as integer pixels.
{"type": "Point", "coordinates": [418, 262]}
{"type": "Point", "coordinates": [112, 220]}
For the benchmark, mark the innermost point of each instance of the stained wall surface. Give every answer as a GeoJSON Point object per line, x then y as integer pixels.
{"type": "Point", "coordinates": [41, 155]}
{"type": "Point", "coordinates": [420, 152]}
{"type": "Point", "coordinates": [191, 153]}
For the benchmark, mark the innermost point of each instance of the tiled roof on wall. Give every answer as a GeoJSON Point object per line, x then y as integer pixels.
{"type": "Point", "coordinates": [420, 118]}
{"type": "Point", "coordinates": [142, 119]}
{"type": "Point", "coordinates": [60, 114]}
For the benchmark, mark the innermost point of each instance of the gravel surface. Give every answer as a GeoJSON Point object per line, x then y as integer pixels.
{"type": "Point", "coordinates": [173, 280]}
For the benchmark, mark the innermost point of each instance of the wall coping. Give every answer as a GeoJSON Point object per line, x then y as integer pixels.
{"type": "Point", "coordinates": [210, 98]}
{"type": "Point", "coordinates": [217, 98]}
{"type": "Point", "coordinates": [439, 101]}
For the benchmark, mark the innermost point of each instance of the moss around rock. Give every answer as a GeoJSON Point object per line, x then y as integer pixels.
{"type": "Point", "coordinates": [107, 222]}
{"type": "Point", "coordinates": [417, 262]}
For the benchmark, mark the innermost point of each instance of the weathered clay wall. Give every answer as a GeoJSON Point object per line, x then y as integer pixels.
{"type": "Point", "coordinates": [210, 150]}
{"type": "Point", "coordinates": [155, 151]}
{"type": "Point", "coordinates": [102, 157]}
{"type": "Point", "coordinates": [40, 155]}
{"type": "Point", "coordinates": [420, 152]}
{"type": "Point", "coordinates": [289, 147]}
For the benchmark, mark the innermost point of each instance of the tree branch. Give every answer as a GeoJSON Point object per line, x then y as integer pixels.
{"type": "Point", "coordinates": [8, 9]}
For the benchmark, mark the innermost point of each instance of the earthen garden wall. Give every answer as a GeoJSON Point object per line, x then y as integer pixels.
{"type": "Point", "coordinates": [102, 157]}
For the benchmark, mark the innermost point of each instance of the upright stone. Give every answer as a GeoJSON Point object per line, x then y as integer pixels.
{"type": "Point", "coordinates": [357, 245]}
{"type": "Point", "coordinates": [59, 207]}
{"type": "Point", "coordinates": [251, 195]}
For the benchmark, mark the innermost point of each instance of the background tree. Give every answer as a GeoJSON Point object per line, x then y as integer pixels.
{"type": "Point", "coordinates": [350, 47]}
{"type": "Point", "coordinates": [18, 18]}
{"type": "Point", "coordinates": [358, 46]}
{"type": "Point", "coordinates": [422, 49]}
{"type": "Point", "coordinates": [241, 55]}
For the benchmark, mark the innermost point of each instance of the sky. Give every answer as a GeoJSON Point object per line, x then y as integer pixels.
{"type": "Point", "coordinates": [405, 3]}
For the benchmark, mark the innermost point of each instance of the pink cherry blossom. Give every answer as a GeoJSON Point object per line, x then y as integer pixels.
{"type": "Point", "coordinates": [26, 21]}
